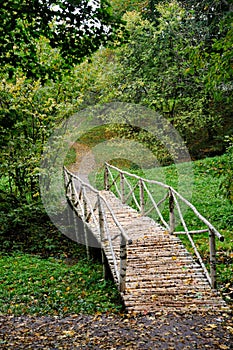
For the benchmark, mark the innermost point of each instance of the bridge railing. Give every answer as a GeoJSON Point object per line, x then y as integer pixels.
{"type": "Point", "coordinates": [96, 213]}
{"type": "Point", "coordinates": [133, 188]}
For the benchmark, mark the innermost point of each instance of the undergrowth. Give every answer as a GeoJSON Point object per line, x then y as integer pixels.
{"type": "Point", "coordinates": [36, 286]}
{"type": "Point", "coordinates": [44, 272]}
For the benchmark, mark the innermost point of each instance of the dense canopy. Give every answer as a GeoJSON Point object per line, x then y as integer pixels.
{"type": "Point", "coordinates": [75, 28]}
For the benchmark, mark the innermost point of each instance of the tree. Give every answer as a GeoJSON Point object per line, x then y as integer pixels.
{"type": "Point", "coordinates": [213, 56]}
{"type": "Point", "coordinates": [208, 11]}
{"type": "Point", "coordinates": [76, 28]}
{"type": "Point", "coordinates": [157, 70]}
{"type": "Point", "coordinates": [147, 8]}
{"type": "Point", "coordinates": [121, 7]}
{"type": "Point", "coordinates": [169, 68]}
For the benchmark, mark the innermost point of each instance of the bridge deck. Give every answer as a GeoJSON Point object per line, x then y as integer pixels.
{"type": "Point", "coordinates": [161, 273]}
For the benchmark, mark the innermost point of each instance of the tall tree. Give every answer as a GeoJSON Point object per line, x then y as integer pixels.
{"type": "Point", "coordinates": [76, 27]}
{"type": "Point", "coordinates": [121, 7]}
{"type": "Point", "coordinates": [174, 70]}
{"type": "Point", "coordinates": [208, 14]}
{"type": "Point", "coordinates": [147, 8]}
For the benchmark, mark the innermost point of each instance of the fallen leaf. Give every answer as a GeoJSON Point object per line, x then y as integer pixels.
{"type": "Point", "coordinates": [68, 333]}
{"type": "Point", "coordinates": [223, 347]}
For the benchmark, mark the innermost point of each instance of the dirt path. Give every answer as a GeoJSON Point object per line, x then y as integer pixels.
{"type": "Point", "coordinates": [106, 331]}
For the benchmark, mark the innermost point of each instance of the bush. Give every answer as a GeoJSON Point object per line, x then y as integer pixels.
{"type": "Point", "coordinates": [227, 172]}
{"type": "Point", "coordinates": [27, 228]}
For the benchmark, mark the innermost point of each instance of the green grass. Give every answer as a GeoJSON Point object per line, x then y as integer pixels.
{"type": "Point", "coordinates": [31, 285]}
{"type": "Point", "coordinates": [70, 157]}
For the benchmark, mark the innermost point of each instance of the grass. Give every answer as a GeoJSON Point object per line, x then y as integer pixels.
{"type": "Point", "coordinates": [43, 272]}
{"type": "Point", "coordinates": [35, 286]}
{"type": "Point", "coordinates": [70, 157]}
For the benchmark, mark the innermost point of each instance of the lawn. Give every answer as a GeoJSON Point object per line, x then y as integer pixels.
{"type": "Point", "coordinates": [36, 286]}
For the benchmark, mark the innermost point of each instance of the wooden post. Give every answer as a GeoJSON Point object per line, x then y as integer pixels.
{"type": "Point", "coordinates": [72, 191]}
{"type": "Point", "coordinates": [101, 226]}
{"type": "Point", "coordinates": [142, 199]}
{"type": "Point", "coordinates": [123, 262]}
{"type": "Point", "coordinates": [212, 259]}
{"type": "Point", "coordinates": [85, 225]}
{"type": "Point", "coordinates": [171, 212]}
{"type": "Point", "coordinates": [106, 178]}
{"type": "Point", "coordinates": [76, 230]}
{"type": "Point", "coordinates": [122, 183]}
{"type": "Point", "coordinates": [69, 214]}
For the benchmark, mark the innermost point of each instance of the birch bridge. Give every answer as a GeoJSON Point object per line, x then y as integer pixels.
{"type": "Point", "coordinates": [148, 261]}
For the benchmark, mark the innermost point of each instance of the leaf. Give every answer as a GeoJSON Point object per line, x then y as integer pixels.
{"type": "Point", "coordinates": [212, 325]}
{"type": "Point", "coordinates": [69, 333]}
{"type": "Point", "coordinates": [223, 347]}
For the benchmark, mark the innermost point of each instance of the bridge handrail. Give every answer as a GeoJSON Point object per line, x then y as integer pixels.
{"type": "Point", "coordinates": [190, 205]}
{"type": "Point", "coordinates": [173, 203]}
{"type": "Point", "coordinates": [101, 224]}
{"type": "Point", "coordinates": [104, 200]}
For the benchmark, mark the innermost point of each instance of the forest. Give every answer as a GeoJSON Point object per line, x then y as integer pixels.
{"type": "Point", "coordinates": [61, 57]}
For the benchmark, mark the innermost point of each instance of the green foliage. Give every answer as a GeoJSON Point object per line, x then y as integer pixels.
{"type": "Point", "coordinates": [67, 25]}
{"type": "Point", "coordinates": [226, 172]}
{"type": "Point", "coordinates": [26, 116]}
{"type": "Point", "coordinates": [27, 228]}
{"type": "Point", "coordinates": [121, 7]}
{"type": "Point", "coordinates": [147, 8]}
{"type": "Point", "coordinates": [208, 14]}
{"type": "Point", "coordinates": [170, 75]}
{"type": "Point", "coordinates": [29, 113]}
{"type": "Point", "coordinates": [35, 286]}
{"type": "Point", "coordinates": [71, 157]}
{"type": "Point", "coordinates": [175, 75]}
{"type": "Point", "coordinates": [173, 69]}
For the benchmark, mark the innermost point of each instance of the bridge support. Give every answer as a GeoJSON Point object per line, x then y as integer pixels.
{"type": "Point", "coordinates": [123, 258]}
{"type": "Point", "coordinates": [106, 178]}
{"type": "Point", "coordinates": [101, 228]}
{"type": "Point", "coordinates": [122, 184]}
{"type": "Point", "coordinates": [212, 246]}
{"type": "Point", "coordinates": [85, 227]}
{"type": "Point", "coordinates": [142, 199]}
{"type": "Point", "coordinates": [171, 213]}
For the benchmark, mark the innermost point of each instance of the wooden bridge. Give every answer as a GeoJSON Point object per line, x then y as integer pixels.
{"type": "Point", "coordinates": [148, 261]}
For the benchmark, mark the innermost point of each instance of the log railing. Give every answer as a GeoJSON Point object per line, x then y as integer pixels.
{"type": "Point", "coordinates": [95, 213]}
{"type": "Point", "coordinates": [141, 196]}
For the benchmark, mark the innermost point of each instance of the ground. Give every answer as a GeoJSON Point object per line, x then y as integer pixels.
{"type": "Point", "coordinates": [111, 331]}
